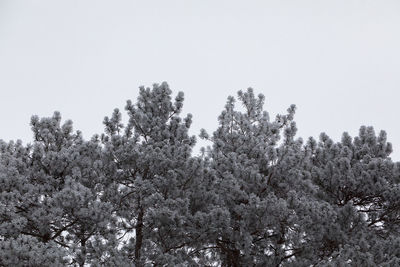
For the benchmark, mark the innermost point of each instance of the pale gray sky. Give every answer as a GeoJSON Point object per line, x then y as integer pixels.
{"type": "Point", "coordinates": [338, 60]}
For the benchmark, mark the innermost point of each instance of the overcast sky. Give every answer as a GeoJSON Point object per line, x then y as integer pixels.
{"type": "Point", "coordinates": [338, 61]}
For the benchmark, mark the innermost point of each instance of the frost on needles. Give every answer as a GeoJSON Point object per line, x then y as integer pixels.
{"type": "Point", "coordinates": [136, 195]}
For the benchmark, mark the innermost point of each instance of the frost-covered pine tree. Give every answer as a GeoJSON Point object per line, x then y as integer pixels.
{"type": "Point", "coordinates": [19, 242]}
{"type": "Point", "coordinates": [360, 182]}
{"type": "Point", "coordinates": [153, 177]}
{"type": "Point", "coordinates": [249, 166]}
{"type": "Point", "coordinates": [50, 194]}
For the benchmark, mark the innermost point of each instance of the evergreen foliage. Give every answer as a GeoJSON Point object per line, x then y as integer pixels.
{"type": "Point", "coordinates": [136, 195]}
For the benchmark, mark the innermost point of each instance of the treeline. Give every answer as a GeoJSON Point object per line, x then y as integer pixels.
{"type": "Point", "coordinates": [136, 195]}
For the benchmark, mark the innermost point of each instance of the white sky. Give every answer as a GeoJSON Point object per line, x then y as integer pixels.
{"type": "Point", "coordinates": [338, 61]}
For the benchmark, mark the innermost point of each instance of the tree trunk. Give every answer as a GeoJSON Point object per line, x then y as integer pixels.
{"type": "Point", "coordinates": [139, 236]}
{"type": "Point", "coordinates": [230, 257]}
{"type": "Point", "coordinates": [233, 258]}
{"type": "Point", "coordinates": [82, 258]}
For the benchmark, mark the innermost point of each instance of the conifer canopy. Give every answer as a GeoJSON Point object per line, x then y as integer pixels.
{"type": "Point", "coordinates": [137, 195]}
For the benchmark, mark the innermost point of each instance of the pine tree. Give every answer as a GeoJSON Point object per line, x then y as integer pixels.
{"type": "Point", "coordinates": [153, 175]}
{"type": "Point", "coordinates": [361, 183]}
{"type": "Point", "coordinates": [247, 161]}
{"type": "Point", "coordinates": [51, 193]}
